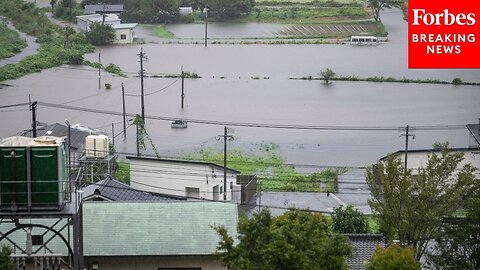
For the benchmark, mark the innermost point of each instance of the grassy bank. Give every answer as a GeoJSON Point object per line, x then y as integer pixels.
{"type": "Point", "coordinates": [272, 172]}
{"type": "Point", "coordinates": [10, 42]}
{"type": "Point", "coordinates": [456, 81]}
{"type": "Point", "coordinates": [56, 48]}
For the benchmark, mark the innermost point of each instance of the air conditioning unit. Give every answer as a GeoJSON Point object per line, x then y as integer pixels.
{"type": "Point", "coordinates": [96, 146]}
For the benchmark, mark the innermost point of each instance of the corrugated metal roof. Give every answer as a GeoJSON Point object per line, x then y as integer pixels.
{"type": "Point", "coordinates": [155, 229]}
{"type": "Point", "coordinates": [124, 26]}
{"type": "Point", "coordinates": [182, 161]}
{"type": "Point", "coordinates": [114, 190]}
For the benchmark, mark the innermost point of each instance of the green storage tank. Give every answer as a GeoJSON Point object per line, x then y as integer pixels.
{"type": "Point", "coordinates": [13, 177]}
{"type": "Point", "coordinates": [32, 173]}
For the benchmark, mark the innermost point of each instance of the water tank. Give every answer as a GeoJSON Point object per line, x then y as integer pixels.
{"type": "Point", "coordinates": [32, 173]}
{"type": "Point", "coordinates": [96, 146]}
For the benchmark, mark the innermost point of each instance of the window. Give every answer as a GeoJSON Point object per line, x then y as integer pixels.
{"type": "Point", "coordinates": [123, 36]}
{"type": "Point", "coordinates": [192, 192]}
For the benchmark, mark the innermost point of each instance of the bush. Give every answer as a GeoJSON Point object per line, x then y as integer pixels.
{"type": "Point", "coordinates": [349, 220]}
{"type": "Point", "coordinates": [457, 81]}
{"type": "Point", "coordinates": [100, 34]}
{"type": "Point", "coordinates": [392, 258]}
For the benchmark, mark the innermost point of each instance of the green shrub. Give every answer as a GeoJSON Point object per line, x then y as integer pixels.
{"type": "Point", "coordinates": [393, 257]}
{"type": "Point", "coordinates": [457, 81]}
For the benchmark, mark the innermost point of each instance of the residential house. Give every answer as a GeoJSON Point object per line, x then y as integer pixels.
{"type": "Point", "coordinates": [113, 190]}
{"type": "Point", "coordinates": [133, 235]}
{"type": "Point", "coordinates": [418, 158]}
{"type": "Point", "coordinates": [124, 32]}
{"type": "Point", "coordinates": [102, 9]}
{"type": "Point", "coordinates": [84, 21]}
{"type": "Point", "coordinates": [193, 179]}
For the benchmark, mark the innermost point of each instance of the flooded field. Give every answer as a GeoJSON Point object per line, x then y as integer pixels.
{"type": "Point", "coordinates": [247, 87]}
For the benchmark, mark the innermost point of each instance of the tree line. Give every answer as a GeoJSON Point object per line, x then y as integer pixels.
{"type": "Point", "coordinates": [167, 11]}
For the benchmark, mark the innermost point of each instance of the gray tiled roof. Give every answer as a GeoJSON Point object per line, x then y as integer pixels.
{"type": "Point", "coordinates": [77, 136]}
{"type": "Point", "coordinates": [363, 247]}
{"type": "Point", "coordinates": [113, 190]}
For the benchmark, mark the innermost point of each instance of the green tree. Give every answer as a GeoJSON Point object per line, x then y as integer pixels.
{"type": "Point", "coordinates": [378, 5]}
{"type": "Point", "coordinates": [327, 74]}
{"type": "Point", "coordinates": [5, 261]}
{"type": "Point", "coordinates": [410, 207]}
{"type": "Point", "coordinates": [100, 34]}
{"type": "Point", "coordinates": [151, 11]}
{"type": "Point", "coordinates": [229, 9]}
{"type": "Point", "coordinates": [295, 240]}
{"type": "Point", "coordinates": [393, 257]}
{"type": "Point", "coordinates": [458, 244]}
{"type": "Point", "coordinates": [349, 220]}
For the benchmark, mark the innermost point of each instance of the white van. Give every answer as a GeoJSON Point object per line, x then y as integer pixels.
{"type": "Point", "coordinates": [363, 40]}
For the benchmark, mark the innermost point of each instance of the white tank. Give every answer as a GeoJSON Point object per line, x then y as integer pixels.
{"type": "Point", "coordinates": [96, 146]}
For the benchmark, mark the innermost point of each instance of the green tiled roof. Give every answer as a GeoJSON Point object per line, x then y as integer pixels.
{"type": "Point", "coordinates": [149, 228]}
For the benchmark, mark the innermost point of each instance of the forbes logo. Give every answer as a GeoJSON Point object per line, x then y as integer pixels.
{"type": "Point", "coordinates": [444, 18]}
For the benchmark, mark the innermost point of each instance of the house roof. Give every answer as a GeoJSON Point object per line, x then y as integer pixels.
{"type": "Point", "coordinates": [77, 136]}
{"type": "Point", "coordinates": [92, 9]}
{"type": "Point", "coordinates": [155, 229]}
{"type": "Point", "coordinates": [426, 151]}
{"type": "Point", "coordinates": [124, 26]}
{"type": "Point", "coordinates": [363, 247]}
{"type": "Point", "coordinates": [474, 130]}
{"type": "Point", "coordinates": [112, 190]}
{"type": "Point", "coordinates": [181, 161]}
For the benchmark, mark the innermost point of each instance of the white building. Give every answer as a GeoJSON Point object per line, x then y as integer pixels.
{"type": "Point", "coordinates": [193, 179]}
{"type": "Point", "coordinates": [124, 32]}
{"type": "Point", "coordinates": [84, 21]}
{"type": "Point", "coordinates": [419, 158]}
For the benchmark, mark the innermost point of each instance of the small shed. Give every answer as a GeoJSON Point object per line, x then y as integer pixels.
{"type": "Point", "coordinates": [124, 32]}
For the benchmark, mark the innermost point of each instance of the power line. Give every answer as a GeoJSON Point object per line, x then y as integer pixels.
{"type": "Point", "coordinates": [258, 125]}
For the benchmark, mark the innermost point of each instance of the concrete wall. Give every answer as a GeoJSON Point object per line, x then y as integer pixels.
{"type": "Point", "coordinates": [173, 178]}
{"type": "Point", "coordinates": [153, 263]}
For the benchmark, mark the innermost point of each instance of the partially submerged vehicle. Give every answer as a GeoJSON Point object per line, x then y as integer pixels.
{"type": "Point", "coordinates": [363, 40]}
{"type": "Point", "coordinates": [179, 124]}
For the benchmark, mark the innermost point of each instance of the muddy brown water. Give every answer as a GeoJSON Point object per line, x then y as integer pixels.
{"type": "Point", "coordinates": [227, 92]}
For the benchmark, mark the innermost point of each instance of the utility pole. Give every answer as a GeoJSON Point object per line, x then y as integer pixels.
{"type": "Point", "coordinates": [142, 57]}
{"type": "Point", "coordinates": [33, 108]}
{"type": "Point", "coordinates": [124, 114]}
{"type": "Point", "coordinates": [99, 69]}
{"type": "Point", "coordinates": [183, 92]}
{"type": "Point", "coordinates": [407, 129]}
{"type": "Point", "coordinates": [225, 137]}
{"type": "Point", "coordinates": [113, 136]}
{"type": "Point", "coordinates": [205, 10]}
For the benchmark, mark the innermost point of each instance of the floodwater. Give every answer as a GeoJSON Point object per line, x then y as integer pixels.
{"type": "Point", "coordinates": [228, 93]}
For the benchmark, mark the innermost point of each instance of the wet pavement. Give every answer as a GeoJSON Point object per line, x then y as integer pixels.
{"type": "Point", "coordinates": [31, 49]}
